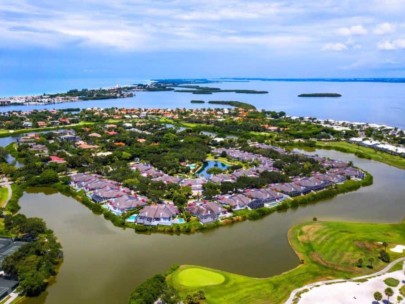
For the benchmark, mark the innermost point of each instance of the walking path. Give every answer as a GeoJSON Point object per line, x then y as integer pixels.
{"type": "Point", "coordinates": [321, 283]}
{"type": "Point", "coordinates": [12, 297]}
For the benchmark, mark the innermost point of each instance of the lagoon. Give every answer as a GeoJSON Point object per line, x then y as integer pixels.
{"type": "Point", "coordinates": [103, 263]}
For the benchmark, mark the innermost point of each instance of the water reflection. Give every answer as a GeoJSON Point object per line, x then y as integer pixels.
{"type": "Point", "coordinates": [103, 263]}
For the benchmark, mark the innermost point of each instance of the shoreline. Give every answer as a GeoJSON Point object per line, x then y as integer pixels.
{"type": "Point", "coordinates": [311, 270]}
{"type": "Point", "coordinates": [192, 227]}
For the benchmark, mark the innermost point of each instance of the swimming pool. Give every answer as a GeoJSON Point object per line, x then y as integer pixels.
{"type": "Point", "coordinates": [179, 221]}
{"type": "Point", "coordinates": [191, 166]}
{"type": "Point", "coordinates": [132, 218]}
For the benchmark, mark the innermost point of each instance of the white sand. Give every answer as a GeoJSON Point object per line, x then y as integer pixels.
{"type": "Point", "coordinates": [398, 249]}
{"type": "Point", "coordinates": [351, 292]}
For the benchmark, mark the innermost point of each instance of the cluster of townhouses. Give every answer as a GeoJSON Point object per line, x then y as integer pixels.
{"type": "Point", "coordinates": [116, 198]}
{"type": "Point", "coordinates": [148, 170]}
{"type": "Point", "coordinates": [120, 199]}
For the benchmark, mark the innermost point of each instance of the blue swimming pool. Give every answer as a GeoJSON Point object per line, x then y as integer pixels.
{"type": "Point", "coordinates": [179, 221]}
{"type": "Point", "coordinates": [132, 218]}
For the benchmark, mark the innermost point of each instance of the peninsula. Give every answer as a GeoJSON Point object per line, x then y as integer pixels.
{"type": "Point", "coordinates": [326, 250]}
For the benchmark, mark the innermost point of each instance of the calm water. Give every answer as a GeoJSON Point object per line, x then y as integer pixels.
{"type": "Point", "coordinates": [382, 103]}
{"type": "Point", "coordinates": [210, 164]}
{"type": "Point", "coordinates": [103, 263]}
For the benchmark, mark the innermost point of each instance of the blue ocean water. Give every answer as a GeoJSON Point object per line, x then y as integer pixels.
{"type": "Point", "coordinates": [372, 102]}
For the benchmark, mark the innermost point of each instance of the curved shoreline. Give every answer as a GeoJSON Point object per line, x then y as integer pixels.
{"type": "Point", "coordinates": [238, 217]}
{"type": "Point", "coordinates": [312, 271]}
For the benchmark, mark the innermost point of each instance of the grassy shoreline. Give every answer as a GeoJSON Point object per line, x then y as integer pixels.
{"type": "Point", "coordinates": [363, 152]}
{"type": "Point", "coordinates": [327, 250]}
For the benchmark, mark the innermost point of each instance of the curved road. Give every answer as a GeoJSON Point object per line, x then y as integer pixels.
{"type": "Point", "coordinates": [320, 283]}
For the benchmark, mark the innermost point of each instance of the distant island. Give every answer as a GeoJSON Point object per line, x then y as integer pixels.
{"type": "Point", "coordinates": [197, 101]}
{"type": "Point", "coordinates": [237, 104]}
{"type": "Point", "coordinates": [320, 95]}
{"type": "Point", "coordinates": [196, 89]}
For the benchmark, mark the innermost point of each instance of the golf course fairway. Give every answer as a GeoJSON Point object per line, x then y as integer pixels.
{"type": "Point", "coordinates": [326, 250]}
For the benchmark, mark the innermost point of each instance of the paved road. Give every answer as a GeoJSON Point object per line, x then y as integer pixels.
{"type": "Point", "coordinates": [310, 286]}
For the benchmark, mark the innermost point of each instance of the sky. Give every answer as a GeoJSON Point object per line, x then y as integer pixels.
{"type": "Point", "coordinates": [138, 39]}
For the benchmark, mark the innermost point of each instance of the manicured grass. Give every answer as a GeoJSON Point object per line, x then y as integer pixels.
{"type": "Point", "coordinates": [3, 195]}
{"type": "Point", "coordinates": [396, 267]}
{"type": "Point", "coordinates": [370, 153]}
{"type": "Point", "coordinates": [391, 282]}
{"type": "Point", "coordinates": [402, 290]}
{"type": "Point", "coordinates": [327, 249]}
{"type": "Point", "coordinates": [197, 277]}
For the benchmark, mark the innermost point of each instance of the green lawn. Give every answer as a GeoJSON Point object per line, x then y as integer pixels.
{"type": "Point", "coordinates": [328, 250]}
{"type": "Point", "coordinates": [3, 196]}
{"type": "Point", "coordinates": [197, 277]}
{"type": "Point", "coordinates": [373, 154]}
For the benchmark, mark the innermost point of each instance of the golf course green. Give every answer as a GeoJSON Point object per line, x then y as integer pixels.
{"type": "Point", "coordinates": [198, 277]}
{"type": "Point", "coordinates": [327, 250]}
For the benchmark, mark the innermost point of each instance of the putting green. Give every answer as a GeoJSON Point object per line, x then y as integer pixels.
{"type": "Point", "coordinates": [197, 277]}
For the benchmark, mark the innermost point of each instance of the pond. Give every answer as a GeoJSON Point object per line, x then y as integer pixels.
{"type": "Point", "coordinates": [103, 264]}
{"type": "Point", "coordinates": [4, 142]}
{"type": "Point", "coordinates": [211, 164]}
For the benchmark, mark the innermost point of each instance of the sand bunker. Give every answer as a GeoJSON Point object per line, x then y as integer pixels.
{"type": "Point", "coordinates": [398, 249]}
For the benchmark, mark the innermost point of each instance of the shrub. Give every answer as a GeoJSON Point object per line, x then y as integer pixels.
{"type": "Point", "coordinates": [391, 282]}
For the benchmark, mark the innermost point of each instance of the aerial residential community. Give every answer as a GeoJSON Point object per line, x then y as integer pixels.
{"type": "Point", "coordinates": [181, 171]}
{"type": "Point", "coordinates": [202, 152]}
{"type": "Point", "coordinates": [140, 167]}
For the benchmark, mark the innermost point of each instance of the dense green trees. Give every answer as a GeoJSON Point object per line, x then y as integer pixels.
{"type": "Point", "coordinates": [151, 290]}
{"type": "Point", "coordinates": [36, 261]}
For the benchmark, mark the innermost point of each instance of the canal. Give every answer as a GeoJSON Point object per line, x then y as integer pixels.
{"type": "Point", "coordinates": [103, 263]}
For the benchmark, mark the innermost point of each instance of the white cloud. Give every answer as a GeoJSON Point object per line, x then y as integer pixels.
{"type": "Point", "coordinates": [159, 25]}
{"type": "Point", "coordinates": [334, 47]}
{"type": "Point", "coordinates": [391, 45]}
{"type": "Point", "coordinates": [384, 28]}
{"type": "Point", "coordinates": [352, 30]}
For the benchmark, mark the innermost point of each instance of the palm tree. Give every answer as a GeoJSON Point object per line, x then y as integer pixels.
{"type": "Point", "coordinates": [389, 293]}
{"type": "Point", "coordinates": [378, 296]}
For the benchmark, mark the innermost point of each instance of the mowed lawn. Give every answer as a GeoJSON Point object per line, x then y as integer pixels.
{"type": "Point", "coordinates": [392, 160]}
{"type": "Point", "coordinates": [197, 277]}
{"type": "Point", "coordinates": [3, 196]}
{"type": "Point", "coordinates": [328, 250]}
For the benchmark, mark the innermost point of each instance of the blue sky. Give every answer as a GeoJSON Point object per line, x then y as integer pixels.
{"type": "Point", "coordinates": [48, 39]}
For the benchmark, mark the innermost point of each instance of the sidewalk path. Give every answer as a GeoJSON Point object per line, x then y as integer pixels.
{"type": "Point", "coordinates": [13, 296]}
{"type": "Point", "coordinates": [320, 283]}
